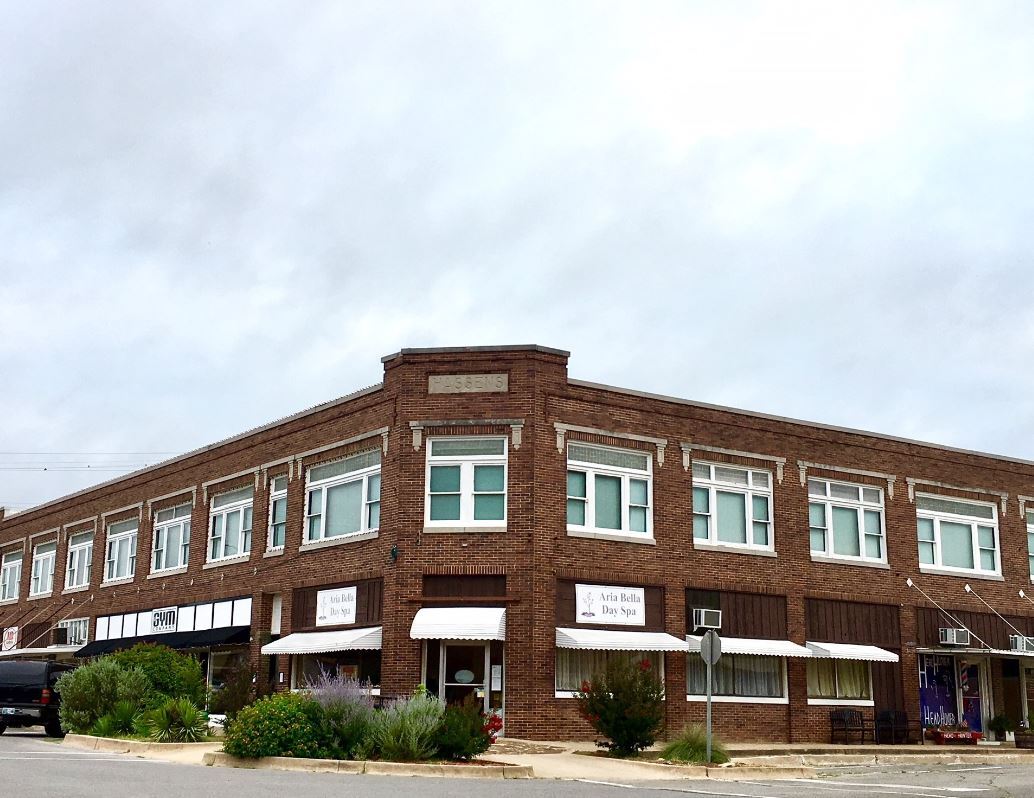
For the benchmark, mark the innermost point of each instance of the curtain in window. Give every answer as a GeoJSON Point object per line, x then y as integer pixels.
{"type": "Point", "coordinates": [852, 679]}
{"type": "Point", "coordinates": [742, 675]}
{"type": "Point", "coordinates": [822, 678]}
{"type": "Point", "coordinates": [956, 545]}
{"type": "Point", "coordinates": [732, 517]}
{"type": "Point", "coordinates": [608, 502]}
{"type": "Point", "coordinates": [344, 508]}
{"type": "Point", "coordinates": [845, 531]}
{"type": "Point", "coordinates": [574, 666]}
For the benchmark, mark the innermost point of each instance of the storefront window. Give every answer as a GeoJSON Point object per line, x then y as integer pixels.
{"type": "Point", "coordinates": [741, 675]}
{"type": "Point", "coordinates": [574, 666]}
{"type": "Point", "coordinates": [839, 679]}
{"type": "Point", "coordinates": [362, 665]}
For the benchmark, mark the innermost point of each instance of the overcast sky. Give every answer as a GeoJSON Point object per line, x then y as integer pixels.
{"type": "Point", "coordinates": [214, 215]}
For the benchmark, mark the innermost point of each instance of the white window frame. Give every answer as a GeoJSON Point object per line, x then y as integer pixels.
{"type": "Point", "coordinates": [467, 464]}
{"type": "Point", "coordinates": [42, 582]}
{"type": "Point", "coordinates": [842, 702]}
{"type": "Point", "coordinates": [114, 542]}
{"type": "Point", "coordinates": [160, 541]}
{"type": "Point", "coordinates": [860, 506]}
{"type": "Point", "coordinates": [974, 523]}
{"type": "Point", "coordinates": [316, 514]}
{"type": "Point", "coordinates": [713, 485]}
{"type": "Point", "coordinates": [223, 513]}
{"type": "Point", "coordinates": [10, 586]}
{"type": "Point", "coordinates": [737, 699]}
{"type": "Point", "coordinates": [73, 623]}
{"type": "Point", "coordinates": [276, 495]}
{"type": "Point", "coordinates": [626, 475]}
{"type": "Point", "coordinates": [1030, 544]}
{"type": "Point", "coordinates": [558, 693]}
{"type": "Point", "coordinates": [76, 552]}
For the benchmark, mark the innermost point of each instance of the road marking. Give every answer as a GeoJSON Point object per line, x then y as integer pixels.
{"type": "Point", "coordinates": [92, 759]}
{"type": "Point", "coordinates": [974, 770]}
{"type": "Point", "coordinates": [608, 784]}
{"type": "Point", "coordinates": [888, 789]}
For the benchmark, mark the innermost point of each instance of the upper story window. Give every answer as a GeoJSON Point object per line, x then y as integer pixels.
{"type": "Point", "coordinates": [344, 497]}
{"type": "Point", "coordinates": [1030, 544]}
{"type": "Point", "coordinates": [80, 558]}
{"type": "Point", "coordinates": [466, 482]}
{"type": "Point", "coordinates": [10, 575]}
{"type": "Point", "coordinates": [171, 538]}
{"type": "Point", "coordinates": [277, 513]}
{"type": "Point", "coordinates": [732, 506]}
{"type": "Point", "coordinates": [229, 525]}
{"type": "Point", "coordinates": [957, 535]}
{"type": "Point", "coordinates": [78, 631]}
{"type": "Point", "coordinates": [846, 521]}
{"type": "Point", "coordinates": [43, 557]}
{"type": "Point", "coordinates": [609, 490]}
{"type": "Point", "coordinates": [120, 561]}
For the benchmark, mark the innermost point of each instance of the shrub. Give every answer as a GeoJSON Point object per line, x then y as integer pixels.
{"type": "Point", "coordinates": [691, 746]}
{"type": "Point", "coordinates": [172, 674]}
{"type": "Point", "coordinates": [347, 712]}
{"type": "Point", "coordinates": [119, 722]}
{"type": "Point", "coordinates": [92, 691]}
{"type": "Point", "coordinates": [178, 720]}
{"type": "Point", "coordinates": [235, 694]}
{"type": "Point", "coordinates": [407, 728]}
{"type": "Point", "coordinates": [625, 704]}
{"type": "Point", "coordinates": [284, 724]}
{"type": "Point", "coordinates": [465, 731]}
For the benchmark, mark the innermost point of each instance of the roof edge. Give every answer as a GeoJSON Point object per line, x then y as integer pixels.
{"type": "Point", "coordinates": [445, 350]}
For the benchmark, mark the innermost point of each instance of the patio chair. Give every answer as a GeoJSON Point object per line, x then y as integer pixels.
{"type": "Point", "coordinates": [846, 724]}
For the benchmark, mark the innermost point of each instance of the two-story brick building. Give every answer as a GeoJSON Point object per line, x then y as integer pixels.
{"type": "Point", "coordinates": [481, 523]}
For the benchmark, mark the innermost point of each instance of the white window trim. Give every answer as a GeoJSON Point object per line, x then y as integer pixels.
{"type": "Point", "coordinates": [974, 523]}
{"type": "Point", "coordinates": [37, 559]}
{"type": "Point", "coordinates": [573, 693]}
{"type": "Point", "coordinates": [161, 530]}
{"type": "Point", "coordinates": [844, 702]}
{"type": "Point", "coordinates": [359, 475]}
{"type": "Point", "coordinates": [73, 553]}
{"type": "Point", "coordinates": [224, 511]}
{"type": "Point", "coordinates": [134, 536]}
{"type": "Point", "coordinates": [274, 497]}
{"type": "Point", "coordinates": [713, 485]}
{"type": "Point", "coordinates": [7, 566]}
{"type": "Point", "coordinates": [736, 699]}
{"type": "Point", "coordinates": [625, 475]}
{"type": "Point", "coordinates": [66, 623]}
{"type": "Point", "coordinates": [859, 506]}
{"type": "Point", "coordinates": [466, 463]}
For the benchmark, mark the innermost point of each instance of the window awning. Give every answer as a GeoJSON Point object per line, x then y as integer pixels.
{"type": "Point", "coordinates": [613, 640]}
{"type": "Point", "coordinates": [206, 638]}
{"type": "Point", "coordinates": [851, 651]}
{"type": "Point", "coordinates": [459, 623]}
{"type": "Point", "coordinates": [747, 645]}
{"type": "Point", "coordinates": [46, 651]}
{"type": "Point", "coordinates": [325, 642]}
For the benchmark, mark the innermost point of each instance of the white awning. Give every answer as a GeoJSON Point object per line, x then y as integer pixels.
{"type": "Point", "coordinates": [613, 640]}
{"type": "Point", "coordinates": [60, 651]}
{"type": "Point", "coordinates": [459, 623]}
{"type": "Point", "coordinates": [325, 642]}
{"type": "Point", "coordinates": [747, 645]}
{"type": "Point", "coordinates": [851, 651]}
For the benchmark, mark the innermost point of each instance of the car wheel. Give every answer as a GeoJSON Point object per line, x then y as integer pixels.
{"type": "Point", "coordinates": [54, 729]}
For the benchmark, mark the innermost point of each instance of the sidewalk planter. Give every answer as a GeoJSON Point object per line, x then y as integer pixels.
{"type": "Point", "coordinates": [1024, 738]}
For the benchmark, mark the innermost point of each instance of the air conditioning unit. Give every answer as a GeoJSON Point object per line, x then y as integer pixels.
{"type": "Point", "coordinates": [1021, 643]}
{"type": "Point", "coordinates": [59, 635]}
{"type": "Point", "coordinates": [954, 637]}
{"type": "Point", "coordinates": [706, 619]}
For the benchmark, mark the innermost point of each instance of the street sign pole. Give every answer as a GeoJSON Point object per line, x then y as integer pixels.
{"type": "Point", "coordinates": [710, 650]}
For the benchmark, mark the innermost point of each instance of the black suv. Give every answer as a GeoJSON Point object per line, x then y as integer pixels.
{"type": "Point", "coordinates": [28, 697]}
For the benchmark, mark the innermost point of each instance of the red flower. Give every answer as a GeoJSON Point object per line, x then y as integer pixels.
{"type": "Point", "coordinates": [644, 665]}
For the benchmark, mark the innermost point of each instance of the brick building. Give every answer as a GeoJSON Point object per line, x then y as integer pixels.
{"type": "Point", "coordinates": [481, 523]}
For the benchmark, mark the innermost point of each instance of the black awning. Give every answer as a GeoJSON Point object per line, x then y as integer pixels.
{"type": "Point", "coordinates": [226, 636]}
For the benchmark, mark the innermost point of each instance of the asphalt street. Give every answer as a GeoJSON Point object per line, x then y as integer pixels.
{"type": "Point", "coordinates": [31, 765]}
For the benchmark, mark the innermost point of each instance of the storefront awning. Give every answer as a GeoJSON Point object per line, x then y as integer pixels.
{"type": "Point", "coordinates": [851, 651]}
{"type": "Point", "coordinates": [613, 640]}
{"type": "Point", "coordinates": [44, 651]}
{"type": "Point", "coordinates": [747, 645]}
{"type": "Point", "coordinates": [459, 623]}
{"type": "Point", "coordinates": [206, 638]}
{"type": "Point", "coordinates": [325, 642]}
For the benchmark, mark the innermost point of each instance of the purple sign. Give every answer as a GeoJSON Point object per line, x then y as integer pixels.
{"type": "Point", "coordinates": [938, 702]}
{"type": "Point", "coordinates": [969, 688]}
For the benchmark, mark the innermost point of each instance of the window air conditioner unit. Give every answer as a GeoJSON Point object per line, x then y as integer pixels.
{"type": "Point", "coordinates": [60, 635]}
{"type": "Point", "coordinates": [706, 619]}
{"type": "Point", "coordinates": [954, 637]}
{"type": "Point", "coordinates": [1021, 643]}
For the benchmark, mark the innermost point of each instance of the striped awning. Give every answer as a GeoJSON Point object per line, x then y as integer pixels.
{"type": "Point", "coordinates": [758, 647]}
{"type": "Point", "coordinates": [459, 623]}
{"type": "Point", "coordinates": [615, 640]}
{"type": "Point", "coordinates": [368, 638]}
{"type": "Point", "coordinates": [851, 651]}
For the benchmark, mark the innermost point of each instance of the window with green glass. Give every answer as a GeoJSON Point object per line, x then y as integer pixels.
{"type": "Point", "coordinates": [732, 506]}
{"type": "Point", "coordinates": [846, 521]}
{"type": "Point", "coordinates": [959, 535]}
{"type": "Point", "coordinates": [609, 490]}
{"type": "Point", "coordinates": [343, 497]}
{"type": "Point", "coordinates": [466, 482]}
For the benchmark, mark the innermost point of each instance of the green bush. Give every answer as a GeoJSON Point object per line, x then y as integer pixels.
{"type": "Point", "coordinates": [172, 674]}
{"type": "Point", "coordinates": [625, 704]}
{"type": "Point", "coordinates": [178, 720]}
{"type": "Point", "coordinates": [464, 731]}
{"type": "Point", "coordinates": [406, 730]}
{"type": "Point", "coordinates": [236, 693]}
{"type": "Point", "coordinates": [92, 691]}
{"type": "Point", "coordinates": [347, 711]}
{"type": "Point", "coordinates": [691, 746]}
{"type": "Point", "coordinates": [284, 724]}
{"type": "Point", "coordinates": [119, 722]}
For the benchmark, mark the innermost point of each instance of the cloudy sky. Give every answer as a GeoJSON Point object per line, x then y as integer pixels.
{"type": "Point", "coordinates": [213, 215]}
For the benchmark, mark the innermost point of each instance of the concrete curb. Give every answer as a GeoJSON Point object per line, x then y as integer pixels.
{"type": "Point", "coordinates": [829, 760]}
{"type": "Point", "coordinates": [490, 771]}
{"type": "Point", "coordinates": [112, 745]}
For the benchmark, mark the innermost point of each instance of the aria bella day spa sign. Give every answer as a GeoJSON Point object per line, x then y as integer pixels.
{"type": "Point", "coordinates": [625, 606]}
{"type": "Point", "coordinates": [335, 607]}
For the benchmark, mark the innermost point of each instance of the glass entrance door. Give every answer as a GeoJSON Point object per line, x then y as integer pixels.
{"type": "Point", "coordinates": [971, 692]}
{"type": "Point", "coordinates": [465, 666]}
